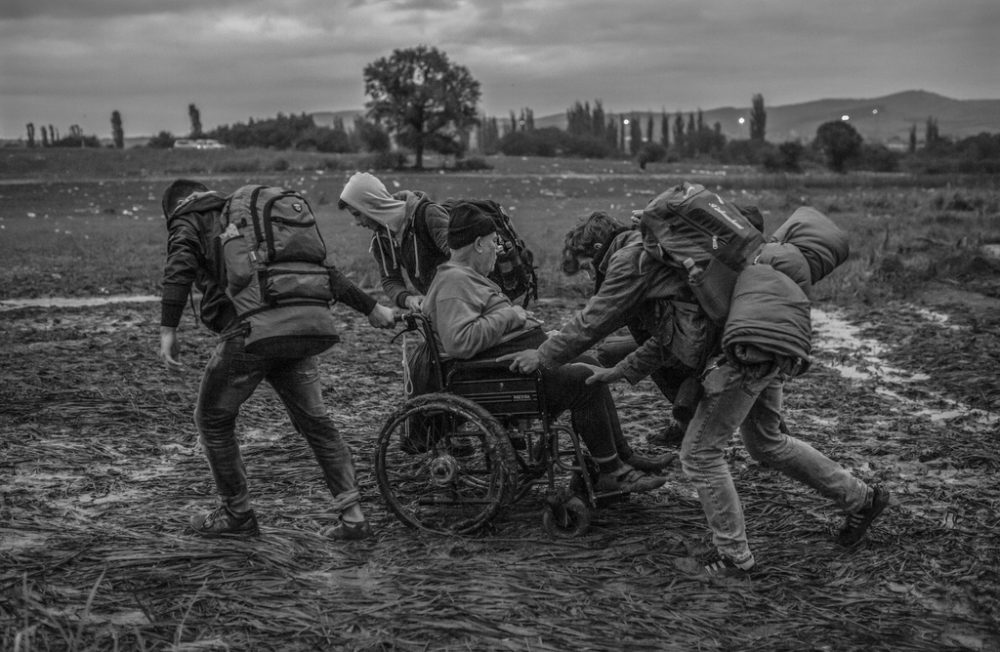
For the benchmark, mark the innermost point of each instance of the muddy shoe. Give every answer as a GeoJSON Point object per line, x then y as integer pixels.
{"type": "Point", "coordinates": [715, 564]}
{"type": "Point", "coordinates": [858, 522]}
{"type": "Point", "coordinates": [347, 531]}
{"type": "Point", "coordinates": [671, 436]}
{"type": "Point", "coordinates": [648, 463]}
{"type": "Point", "coordinates": [221, 522]}
{"type": "Point", "coordinates": [627, 479]}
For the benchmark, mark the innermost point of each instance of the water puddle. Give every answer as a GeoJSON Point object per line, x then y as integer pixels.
{"type": "Point", "coordinates": [75, 302]}
{"type": "Point", "coordinates": [838, 344]}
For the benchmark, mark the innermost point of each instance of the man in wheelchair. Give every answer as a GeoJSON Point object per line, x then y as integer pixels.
{"type": "Point", "coordinates": [473, 319]}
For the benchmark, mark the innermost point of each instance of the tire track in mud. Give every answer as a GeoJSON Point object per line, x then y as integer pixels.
{"type": "Point", "coordinates": [841, 345]}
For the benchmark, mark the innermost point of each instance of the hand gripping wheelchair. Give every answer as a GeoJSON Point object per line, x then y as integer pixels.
{"type": "Point", "coordinates": [452, 460]}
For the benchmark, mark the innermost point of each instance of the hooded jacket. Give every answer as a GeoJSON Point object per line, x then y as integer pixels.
{"type": "Point", "coordinates": [412, 238]}
{"type": "Point", "coordinates": [194, 259]}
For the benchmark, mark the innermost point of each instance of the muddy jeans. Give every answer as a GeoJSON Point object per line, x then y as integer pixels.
{"type": "Point", "coordinates": [733, 399]}
{"type": "Point", "coordinates": [230, 377]}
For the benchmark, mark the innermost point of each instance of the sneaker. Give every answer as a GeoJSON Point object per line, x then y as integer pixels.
{"type": "Point", "coordinates": [221, 522]}
{"type": "Point", "coordinates": [715, 564]}
{"type": "Point", "coordinates": [670, 437]}
{"type": "Point", "coordinates": [627, 479]}
{"type": "Point", "coordinates": [648, 463]}
{"type": "Point", "coordinates": [857, 523]}
{"type": "Point", "coordinates": [347, 531]}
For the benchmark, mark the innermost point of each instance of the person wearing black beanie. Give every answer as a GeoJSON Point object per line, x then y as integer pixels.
{"type": "Point", "coordinates": [474, 319]}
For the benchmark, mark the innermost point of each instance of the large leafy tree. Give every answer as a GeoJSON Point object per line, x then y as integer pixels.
{"type": "Point", "coordinates": [839, 142]}
{"type": "Point", "coordinates": [426, 101]}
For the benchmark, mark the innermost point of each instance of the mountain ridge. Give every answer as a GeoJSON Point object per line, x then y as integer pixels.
{"type": "Point", "coordinates": [886, 119]}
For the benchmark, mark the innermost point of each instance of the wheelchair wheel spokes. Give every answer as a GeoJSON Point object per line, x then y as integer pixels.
{"type": "Point", "coordinates": [443, 464]}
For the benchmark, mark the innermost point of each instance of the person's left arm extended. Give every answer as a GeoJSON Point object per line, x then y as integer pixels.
{"type": "Point", "coordinates": [345, 291]}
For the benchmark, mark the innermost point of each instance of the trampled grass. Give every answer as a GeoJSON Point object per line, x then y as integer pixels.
{"type": "Point", "coordinates": [99, 466]}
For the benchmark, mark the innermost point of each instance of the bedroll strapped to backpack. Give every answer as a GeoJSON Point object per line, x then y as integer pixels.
{"type": "Point", "coordinates": [276, 277]}
{"type": "Point", "coordinates": [695, 230]}
{"type": "Point", "coordinates": [514, 270]}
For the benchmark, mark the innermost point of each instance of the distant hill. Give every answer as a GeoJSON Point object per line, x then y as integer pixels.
{"type": "Point", "coordinates": [882, 119]}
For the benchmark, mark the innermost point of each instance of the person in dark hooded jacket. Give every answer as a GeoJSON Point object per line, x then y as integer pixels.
{"type": "Point", "coordinates": [766, 341]}
{"type": "Point", "coordinates": [409, 236]}
{"type": "Point", "coordinates": [232, 374]}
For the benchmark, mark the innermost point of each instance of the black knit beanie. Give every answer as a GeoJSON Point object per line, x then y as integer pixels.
{"type": "Point", "coordinates": [467, 222]}
{"type": "Point", "coordinates": [177, 191]}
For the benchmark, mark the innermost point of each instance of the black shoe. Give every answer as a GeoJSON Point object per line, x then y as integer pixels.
{"type": "Point", "coordinates": [857, 523]}
{"type": "Point", "coordinates": [221, 522]}
{"type": "Point", "coordinates": [671, 436]}
{"type": "Point", "coordinates": [627, 479]}
{"type": "Point", "coordinates": [347, 531]}
{"type": "Point", "coordinates": [715, 564]}
{"type": "Point", "coordinates": [648, 463]}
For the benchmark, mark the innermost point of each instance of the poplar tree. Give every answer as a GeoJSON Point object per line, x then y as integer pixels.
{"type": "Point", "coordinates": [758, 118]}
{"type": "Point", "coordinates": [117, 131]}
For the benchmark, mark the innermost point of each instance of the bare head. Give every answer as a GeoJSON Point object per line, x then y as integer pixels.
{"type": "Point", "coordinates": [585, 241]}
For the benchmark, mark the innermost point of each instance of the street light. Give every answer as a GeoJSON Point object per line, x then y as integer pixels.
{"type": "Point", "coordinates": [845, 117]}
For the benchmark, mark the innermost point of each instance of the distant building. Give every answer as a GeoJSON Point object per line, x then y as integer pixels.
{"type": "Point", "coordinates": [198, 143]}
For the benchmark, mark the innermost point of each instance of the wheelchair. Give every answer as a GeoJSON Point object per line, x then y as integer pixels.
{"type": "Point", "coordinates": [451, 461]}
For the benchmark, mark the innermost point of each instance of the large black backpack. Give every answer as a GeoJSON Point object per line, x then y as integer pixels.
{"type": "Point", "coordinates": [695, 230]}
{"type": "Point", "coordinates": [515, 270]}
{"type": "Point", "coordinates": [275, 273]}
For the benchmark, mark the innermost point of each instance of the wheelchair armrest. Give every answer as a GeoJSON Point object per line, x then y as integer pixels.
{"type": "Point", "coordinates": [487, 365]}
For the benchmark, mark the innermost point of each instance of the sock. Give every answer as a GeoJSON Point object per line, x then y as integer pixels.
{"type": "Point", "coordinates": [608, 464]}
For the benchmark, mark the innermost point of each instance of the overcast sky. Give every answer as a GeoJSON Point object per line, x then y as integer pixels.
{"type": "Point", "coordinates": [65, 62]}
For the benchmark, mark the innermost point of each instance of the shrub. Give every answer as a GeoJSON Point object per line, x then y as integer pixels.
{"type": "Point", "coordinates": [877, 158]}
{"type": "Point", "coordinates": [651, 153]}
{"type": "Point", "coordinates": [383, 161]}
{"type": "Point", "coordinates": [162, 140]}
{"type": "Point", "coordinates": [472, 164]}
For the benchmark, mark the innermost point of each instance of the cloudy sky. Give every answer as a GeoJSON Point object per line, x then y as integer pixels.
{"type": "Point", "coordinates": [65, 62]}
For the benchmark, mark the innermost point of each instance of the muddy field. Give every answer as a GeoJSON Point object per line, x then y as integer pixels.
{"type": "Point", "coordinates": [100, 471]}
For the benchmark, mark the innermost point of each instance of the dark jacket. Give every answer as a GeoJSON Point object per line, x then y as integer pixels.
{"type": "Point", "coordinates": [416, 252]}
{"type": "Point", "coordinates": [635, 292]}
{"type": "Point", "coordinates": [194, 259]}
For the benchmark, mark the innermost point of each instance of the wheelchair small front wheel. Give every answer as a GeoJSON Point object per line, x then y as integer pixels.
{"type": "Point", "coordinates": [566, 518]}
{"type": "Point", "coordinates": [444, 464]}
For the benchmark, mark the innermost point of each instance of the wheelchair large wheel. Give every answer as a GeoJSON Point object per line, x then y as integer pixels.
{"type": "Point", "coordinates": [444, 464]}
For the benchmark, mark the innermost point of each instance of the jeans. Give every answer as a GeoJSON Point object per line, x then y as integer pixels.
{"type": "Point", "coordinates": [734, 399]}
{"type": "Point", "coordinates": [230, 377]}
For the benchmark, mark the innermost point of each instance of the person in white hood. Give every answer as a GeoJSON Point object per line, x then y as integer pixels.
{"type": "Point", "coordinates": [409, 240]}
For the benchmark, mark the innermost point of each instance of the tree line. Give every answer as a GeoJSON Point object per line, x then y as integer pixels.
{"type": "Point", "coordinates": [420, 101]}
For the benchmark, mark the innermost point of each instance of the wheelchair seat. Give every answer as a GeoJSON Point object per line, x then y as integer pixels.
{"type": "Point", "coordinates": [505, 394]}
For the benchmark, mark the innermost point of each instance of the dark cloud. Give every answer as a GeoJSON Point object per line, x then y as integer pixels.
{"type": "Point", "coordinates": [62, 60]}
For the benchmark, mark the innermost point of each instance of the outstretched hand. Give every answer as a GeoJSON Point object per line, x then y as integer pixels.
{"type": "Point", "coordinates": [414, 303]}
{"type": "Point", "coordinates": [525, 362]}
{"type": "Point", "coordinates": [382, 317]}
{"type": "Point", "coordinates": [601, 374]}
